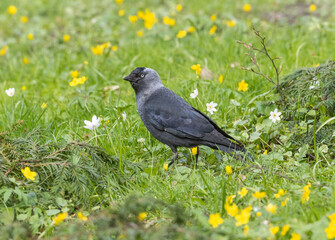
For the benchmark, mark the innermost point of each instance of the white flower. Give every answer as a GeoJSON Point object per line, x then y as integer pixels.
{"type": "Point", "coordinates": [314, 84]}
{"type": "Point", "coordinates": [124, 116]}
{"type": "Point", "coordinates": [211, 107]}
{"type": "Point", "coordinates": [141, 140]}
{"type": "Point", "coordinates": [194, 94]}
{"type": "Point", "coordinates": [10, 92]}
{"type": "Point", "coordinates": [92, 125]}
{"type": "Point", "coordinates": [275, 115]}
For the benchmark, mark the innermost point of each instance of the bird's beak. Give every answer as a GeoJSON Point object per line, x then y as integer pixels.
{"type": "Point", "coordinates": [127, 78]}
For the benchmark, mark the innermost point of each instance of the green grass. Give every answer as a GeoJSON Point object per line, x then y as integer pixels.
{"type": "Point", "coordinates": [93, 181]}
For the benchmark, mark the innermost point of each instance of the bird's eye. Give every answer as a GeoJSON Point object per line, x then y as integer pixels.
{"type": "Point", "coordinates": [142, 75]}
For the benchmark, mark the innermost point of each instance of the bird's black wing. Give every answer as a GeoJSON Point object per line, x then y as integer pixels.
{"type": "Point", "coordinates": [168, 112]}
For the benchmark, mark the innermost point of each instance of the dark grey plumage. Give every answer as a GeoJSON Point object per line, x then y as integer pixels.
{"type": "Point", "coordinates": [171, 120]}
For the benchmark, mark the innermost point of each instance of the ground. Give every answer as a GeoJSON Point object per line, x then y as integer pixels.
{"type": "Point", "coordinates": [55, 173]}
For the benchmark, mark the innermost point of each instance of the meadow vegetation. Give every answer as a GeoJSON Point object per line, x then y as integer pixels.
{"type": "Point", "coordinates": [62, 62]}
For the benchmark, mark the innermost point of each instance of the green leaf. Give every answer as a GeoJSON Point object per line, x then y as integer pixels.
{"type": "Point", "coordinates": [7, 195]}
{"type": "Point", "coordinates": [52, 212]}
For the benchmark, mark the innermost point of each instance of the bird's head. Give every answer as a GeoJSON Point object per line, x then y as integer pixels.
{"type": "Point", "coordinates": [143, 79]}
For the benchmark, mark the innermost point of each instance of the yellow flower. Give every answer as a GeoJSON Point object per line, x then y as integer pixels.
{"type": "Point", "coordinates": [312, 7]}
{"type": "Point", "coordinates": [330, 230]}
{"type": "Point", "coordinates": [121, 12]}
{"type": "Point", "coordinates": [165, 166]}
{"type": "Point", "coordinates": [3, 51]}
{"type": "Point", "coordinates": [258, 214]}
{"type": "Point", "coordinates": [305, 194]}
{"type": "Point", "coordinates": [230, 199]}
{"type": "Point", "coordinates": [86, 62]}
{"type": "Point", "coordinates": [25, 60]}
{"type": "Point", "coordinates": [30, 36]}
{"type": "Point", "coordinates": [179, 7]}
{"type": "Point", "coordinates": [247, 7]}
{"type": "Point", "coordinates": [66, 38]}
{"type": "Point", "coordinates": [316, 65]}
{"type": "Point", "coordinates": [285, 230]}
{"type": "Point", "coordinates": [283, 203]}
{"type": "Point", "coordinates": [213, 30]}
{"type": "Point", "coordinates": [181, 34]}
{"type": "Point", "coordinates": [232, 210]}
{"type": "Point", "coordinates": [82, 80]}
{"type": "Point", "coordinates": [231, 23]}
{"type": "Point", "coordinates": [228, 170]}
{"type": "Point", "coordinates": [274, 230]}
{"type": "Point", "coordinates": [44, 105]}
{"type": "Point", "coordinates": [271, 208]}
{"type": "Point", "coordinates": [194, 150]}
{"type": "Point", "coordinates": [332, 217]}
{"type": "Point", "coordinates": [119, 1]}
{"type": "Point", "coordinates": [29, 174]}
{"type": "Point", "coordinates": [243, 192]}
{"type": "Point", "coordinates": [74, 74]}
{"type": "Point", "coordinates": [196, 68]}
{"type": "Point", "coordinates": [139, 33]}
{"type": "Point", "coordinates": [169, 21]}
{"type": "Point", "coordinates": [215, 220]}
{"type": "Point", "coordinates": [245, 230]}
{"type": "Point", "coordinates": [140, 14]}
{"type": "Point", "coordinates": [82, 217]}
{"type": "Point", "coordinates": [295, 236]}
{"type": "Point", "coordinates": [280, 193]}
{"type": "Point", "coordinates": [221, 79]}
{"type": "Point", "coordinates": [259, 195]}
{"type": "Point", "coordinates": [59, 218]}
{"type": "Point", "coordinates": [24, 88]}
{"type": "Point", "coordinates": [213, 17]}
{"type": "Point", "coordinates": [133, 18]}
{"type": "Point", "coordinates": [265, 152]}
{"type": "Point", "coordinates": [149, 19]}
{"type": "Point", "coordinates": [24, 19]}
{"type": "Point", "coordinates": [97, 50]}
{"type": "Point", "coordinates": [243, 217]}
{"type": "Point", "coordinates": [141, 216]}
{"type": "Point", "coordinates": [242, 86]}
{"type": "Point", "coordinates": [191, 29]}
{"type": "Point", "coordinates": [114, 48]}
{"type": "Point", "coordinates": [12, 10]}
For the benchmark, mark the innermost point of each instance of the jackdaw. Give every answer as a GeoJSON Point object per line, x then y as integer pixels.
{"type": "Point", "coordinates": [171, 120]}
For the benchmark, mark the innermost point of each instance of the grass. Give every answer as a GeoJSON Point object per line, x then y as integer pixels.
{"type": "Point", "coordinates": [101, 182]}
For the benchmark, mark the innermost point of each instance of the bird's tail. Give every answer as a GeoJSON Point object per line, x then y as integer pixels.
{"type": "Point", "coordinates": [238, 151]}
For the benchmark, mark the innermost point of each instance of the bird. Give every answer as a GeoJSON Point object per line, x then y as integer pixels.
{"type": "Point", "coordinates": [172, 120]}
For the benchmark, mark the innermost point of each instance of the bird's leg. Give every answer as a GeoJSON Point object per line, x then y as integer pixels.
{"type": "Point", "coordinates": [175, 155]}
{"type": "Point", "coordinates": [196, 158]}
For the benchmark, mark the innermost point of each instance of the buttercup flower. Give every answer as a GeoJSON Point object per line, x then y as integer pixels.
{"type": "Point", "coordinates": [295, 236]}
{"type": "Point", "coordinates": [3, 51]}
{"type": "Point", "coordinates": [149, 19]}
{"type": "Point", "coordinates": [74, 74]}
{"type": "Point", "coordinates": [44, 105]}
{"type": "Point", "coordinates": [30, 36]}
{"type": "Point", "coordinates": [305, 193]}
{"type": "Point", "coordinates": [221, 79]}
{"type": "Point", "coordinates": [25, 60]}
{"type": "Point", "coordinates": [271, 208]}
{"type": "Point", "coordinates": [247, 7]}
{"type": "Point", "coordinates": [228, 170]}
{"type": "Point", "coordinates": [245, 230]}
{"type": "Point", "coordinates": [243, 217]}
{"type": "Point", "coordinates": [82, 217]}
{"type": "Point", "coordinates": [141, 216]}
{"type": "Point", "coordinates": [243, 192]}
{"type": "Point", "coordinates": [274, 230]}
{"type": "Point", "coordinates": [275, 116]}
{"type": "Point", "coordinates": [232, 210]}
{"type": "Point", "coordinates": [283, 203]}
{"type": "Point", "coordinates": [259, 195]}
{"type": "Point", "coordinates": [213, 17]}
{"type": "Point", "coordinates": [24, 88]}
{"type": "Point", "coordinates": [121, 12]}
{"type": "Point", "coordinates": [312, 7]}
{"type": "Point", "coordinates": [285, 230]}
{"type": "Point", "coordinates": [179, 7]}
{"type": "Point", "coordinates": [59, 218]}
{"type": "Point", "coordinates": [24, 19]}
{"type": "Point", "coordinates": [211, 107]}
{"type": "Point", "coordinates": [133, 19]}
{"type": "Point", "coordinates": [165, 166]}
{"type": "Point", "coordinates": [169, 21]}
{"type": "Point", "coordinates": [28, 174]}
{"type": "Point", "coordinates": [194, 94]}
{"type": "Point", "coordinates": [119, 1]}
{"type": "Point", "coordinates": [231, 23]}
{"type": "Point", "coordinates": [215, 220]}
{"type": "Point", "coordinates": [213, 30]}
{"type": "Point", "coordinates": [194, 151]}
{"type": "Point", "coordinates": [181, 34]}
{"type": "Point", "coordinates": [191, 29]}
{"type": "Point", "coordinates": [10, 92]}
{"type": "Point", "coordinates": [265, 152]}
{"type": "Point", "coordinates": [66, 37]}
{"type": "Point", "coordinates": [280, 193]}
{"type": "Point", "coordinates": [196, 68]}
{"type": "Point", "coordinates": [139, 33]}
{"type": "Point", "coordinates": [12, 10]}
{"type": "Point", "coordinates": [94, 124]}
{"type": "Point", "coordinates": [77, 81]}
{"type": "Point", "coordinates": [242, 86]}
